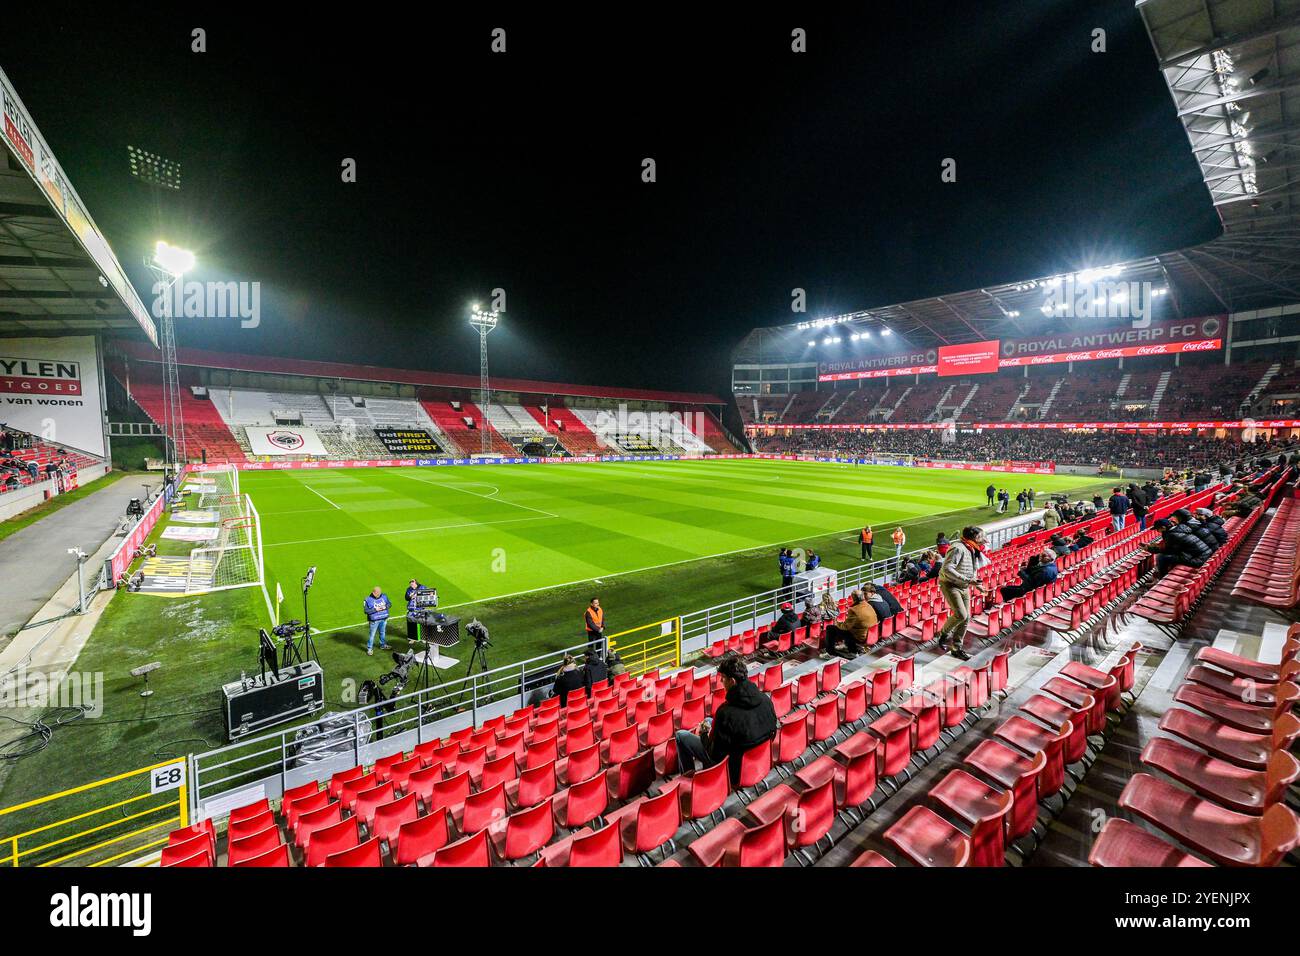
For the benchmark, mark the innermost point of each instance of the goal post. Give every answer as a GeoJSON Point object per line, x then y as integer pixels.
{"type": "Point", "coordinates": [224, 485]}
{"type": "Point", "coordinates": [235, 559]}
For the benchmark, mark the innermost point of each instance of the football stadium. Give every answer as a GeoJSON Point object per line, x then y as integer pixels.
{"type": "Point", "coordinates": [342, 528]}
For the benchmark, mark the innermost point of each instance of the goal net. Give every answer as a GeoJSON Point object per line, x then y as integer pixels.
{"type": "Point", "coordinates": [234, 560]}
{"type": "Point", "coordinates": [218, 484]}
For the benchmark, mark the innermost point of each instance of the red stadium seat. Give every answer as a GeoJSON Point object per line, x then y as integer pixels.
{"type": "Point", "coordinates": [525, 832]}
{"type": "Point", "coordinates": [254, 845]}
{"type": "Point", "coordinates": [983, 808]}
{"type": "Point", "coordinates": [390, 817]}
{"type": "Point", "coordinates": [363, 855]}
{"type": "Point", "coordinates": [1237, 788]}
{"type": "Point", "coordinates": [581, 803]}
{"type": "Point", "coordinates": [927, 839]}
{"type": "Point", "coordinates": [704, 792]}
{"type": "Point", "coordinates": [277, 857]}
{"type": "Point", "coordinates": [343, 835]}
{"type": "Point", "coordinates": [419, 838]}
{"type": "Point", "coordinates": [1124, 844]}
{"type": "Point", "coordinates": [182, 852]}
{"type": "Point", "coordinates": [321, 819]}
{"type": "Point", "coordinates": [471, 851]}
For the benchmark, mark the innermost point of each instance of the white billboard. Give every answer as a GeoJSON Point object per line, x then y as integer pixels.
{"type": "Point", "coordinates": [50, 387]}
{"type": "Point", "coordinates": [284, 440]}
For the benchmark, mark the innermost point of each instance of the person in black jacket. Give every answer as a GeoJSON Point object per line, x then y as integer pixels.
{"type": "Point", "coordinates": [887, 596]}
{"type": "Point", "coordinates": [594, 670]}
{"type": "Point", "coordinates": [1214, 523]}
{"type": "Point", "coordinates": [745, 720]}
{"type": "Point", "coordinates": [1178, 545]}
{"type": "Point", "coordinates": [1138, 499]}
{"type": "Point", "coordinates": [568, 678]}
{"type": "Point", "coordinates": [1183, 518]}
{"type": "Point", "coordinates": [787, 623]}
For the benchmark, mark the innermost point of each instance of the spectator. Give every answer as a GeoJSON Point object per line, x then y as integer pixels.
{"type": "Point", "coordinates": [992, 492]}
{"type": "Point", "coordinates": [1031, 577]}
{"type": "Point", "coordinates": [1051, 517]}
{"type": "Point", "coordinates": [900, 539]}
{"type": "Point", "coordinates": [865, 538]}
{"type": "Point", "coordinates": [1060, 546]}
{"type": "Point", "coordinates": [960, 571]}
{"type": "Point", "coordinates": [595, 671]}
{"type": "Point", "coordinates": [942, 544]}
{"type": "Point", "coordinates": [814, 560]}
{"type": "Point", "coordinates": [1082, 539]}
{"type": "Point", "coordinates": [890, 601]}
{"type": "Point", "coordinates": [858, 621]}
{"type": "Point", "coordinates": [568, 678]}
{"type": "Point", "coordinates": [1184, 518]}
{"type": "Point", "coordinates": [1214, 523]}
{"type": "Point", "coordinates": [787, 622]}
{"type": "Point", "coordinates": [745, 720]}
{"type": "Point", "coordinates": [1177, 545]}
{"type": "Point", "coordinates": [1022, 502]}
{"type": "Point", "coordinates": [1138, 499]}
{"type": "Point", "coordinates": [1118, 506]}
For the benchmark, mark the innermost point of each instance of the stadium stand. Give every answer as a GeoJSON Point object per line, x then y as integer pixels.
{"type": "Point", "coordinates": [465, 427]}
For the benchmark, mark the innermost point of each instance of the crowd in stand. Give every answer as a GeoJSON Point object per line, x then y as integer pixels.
{"type": "Point", "coordinates": [1121, 449]}
{"type": "Point", "coordinates": [15, 471]}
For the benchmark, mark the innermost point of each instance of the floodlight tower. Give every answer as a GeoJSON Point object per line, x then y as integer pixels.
{"type": "Point", "coordinates": [485, 322]}
{"type": "Point", "coordinates": [170, 264]}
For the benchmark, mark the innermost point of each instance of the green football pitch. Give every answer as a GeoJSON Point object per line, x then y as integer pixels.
{"type": "Point", "coordinates": [485, 533]}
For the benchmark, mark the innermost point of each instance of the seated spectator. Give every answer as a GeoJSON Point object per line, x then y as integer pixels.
{"type": "Point", "coordinates": [1060, 546]}
{"type": "Point", "coordinates": [595, 671]}
{"type": "Point", "coordinates": [859, 619]}
{"type": "Point", "coordinates": [1184, 518]}
{"type": "Point", "coordinates": [568, 678]}
{"type": "Point", "coordinates": [1082, 539]}
{"type": "Point", "coordinates": [1214, 523]}
{"type": "Point", "coordinates": [1178, 544]}
{"type": "Point", "coordinates": [887, 596]}
{"type": "Point", "coordinates": [1028, 579]}
{"type": "Point", "coordinates": [787, 622]}
{"type": "Point", "coordinates": [941, 544]}
{"type": "Point", "coordinates": [745, 720]}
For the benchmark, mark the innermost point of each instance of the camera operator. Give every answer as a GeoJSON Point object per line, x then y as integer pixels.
{"type": "Point", "coordinates": [568, 678]}
{"type": "Point", "coordinates": [412, 590]}
{"type": "Point", "coordinates": [377, 606]}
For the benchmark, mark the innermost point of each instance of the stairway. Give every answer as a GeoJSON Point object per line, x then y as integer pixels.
{"type": "Point", "coordinates": [1258, 390]}
{"type": "Point", "coordinates": [956, 415]}
{"type": "Point", "coordinates": [781, 417]}
{"type": "Point", "coordinates": [1047, 402]}
{"type": "Point", "coordinates": [893, 408]}
{"type": "Point", "coordinates": [1123, 385]}
{"type": "Point", "coordinates": [1159, 392]}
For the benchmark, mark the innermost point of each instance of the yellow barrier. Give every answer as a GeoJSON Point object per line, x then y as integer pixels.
{"type": "Point", "coordinates": [662, 647]}
{"type": "Point", "coordinates": [88, 836]}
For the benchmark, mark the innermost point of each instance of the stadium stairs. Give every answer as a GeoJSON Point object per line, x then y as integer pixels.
{"type": "Point", "coordinates": [452, 423]}
{"type": "Point", "coordinates": [898, 756]}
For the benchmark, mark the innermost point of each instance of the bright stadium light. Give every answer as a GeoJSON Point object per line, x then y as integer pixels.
{"type": "Point", "coordinates": [172, 260]}
{"type": "Point", "coordinates": [812, 342]}
{"type": "Point", "coordinates": [485, 322]}
{"type": "Point", "coordinates": [886, 331]}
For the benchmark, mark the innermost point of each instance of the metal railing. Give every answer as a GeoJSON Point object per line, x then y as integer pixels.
{"type": "Point", "coordinates": [269, 764]}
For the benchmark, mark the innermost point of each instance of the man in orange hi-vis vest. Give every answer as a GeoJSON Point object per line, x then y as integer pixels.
{"type": "Point", "coordinates": [594, 619]}
{"type": "Point", "coordinates": [865, 537]}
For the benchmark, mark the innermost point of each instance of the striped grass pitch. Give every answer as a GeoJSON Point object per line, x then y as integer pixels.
{"type": "Point", "coordinates": [486, 532]}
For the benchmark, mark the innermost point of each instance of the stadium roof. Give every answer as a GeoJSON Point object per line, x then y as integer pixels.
{"type": "Point", "coordinates": [57, 272]}
{"type": "Point", "coordinates": [1233, 69]}
{"type": "Point", "coordinates": [270, 365]}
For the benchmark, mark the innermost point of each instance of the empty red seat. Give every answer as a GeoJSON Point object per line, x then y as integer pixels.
{"type": "Point", "coordinates": [927, 839]}
{"type": "Point", "coordinates": [253, 845]}
{"type": "Point", "coordinates": [314, 820]}
{"type": "Point", "coordinates": [581, 803]}
{"type": "Point", "coordinates": [349, 790]}
{"type": "Point", "coordinates": [525, 832]}
{"type": "Point", "coordinates": [1238, 746]}
{"type": "Point", "coordinates": [182, 851]}
{"type": "Point", "coordinates": [1124, 844]}
{"type": "Point", "coordinates": [471, 851]}
{"type": "Point", "coordinates": [362, 855]}
{"type": "Point", "coordinates": [871, 858]}
{"type": "Point", "coordinates": [604, 847]}
{"type": "Point", "coordinates": [276, 857]}
{"type": "Point", "coordinates": [250, 825]}
{"type": "Point", "coordinates": [895, 732]}
{"type": "Point", "coordinates": [370, 800]}
{"type": "Point", "coordinates": [762, 846]}
{"type": "Point", "coordinates": [1231, 786]}
{"type": "Point", "coordinates": [419, 838]}
{"type": "Point", "coordinates": [1228, 837]}
{"type": "Point", "coordinates": [633, 777]}
{"type": "Point", "coordinates": [248, 811]}
{"type": "Point", "coordinates": [343, 835]}
{"type": "Point", "coordinates": [654, 822]}
{"type": "Point", "coordinates": [985, 809]}
{"type": "Point", "coordinates": [481, 810]}
{"type": "Point", "coordinates": [704, 792]}
{"type": "Point", "coordinates": [389, 817]}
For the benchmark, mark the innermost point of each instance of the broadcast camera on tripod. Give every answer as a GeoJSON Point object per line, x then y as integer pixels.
{"type": "Point", "coordinates": [372, 693]}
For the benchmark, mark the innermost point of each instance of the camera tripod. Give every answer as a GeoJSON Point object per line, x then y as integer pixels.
{"type": "Point", "coordinates": [479, 656]}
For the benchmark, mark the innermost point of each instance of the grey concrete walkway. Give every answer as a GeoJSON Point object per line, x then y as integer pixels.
{"type": "Point", "coordinates": [34, 562]}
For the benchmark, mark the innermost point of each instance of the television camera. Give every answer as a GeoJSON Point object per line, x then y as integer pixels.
{"type": "Point", "coordinates": [372, 694]}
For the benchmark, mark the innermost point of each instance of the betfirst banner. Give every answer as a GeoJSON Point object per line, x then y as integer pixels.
{"type": "Point", "coordinates": [975, 358]}
{"type": "Point", "coordinates": [284, 440]}
{"type": "Point", "coordinates": [50, 387]}
{"type": "Point", "coordinates": [1177, 337]}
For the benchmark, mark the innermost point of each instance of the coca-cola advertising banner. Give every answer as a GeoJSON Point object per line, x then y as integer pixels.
{"type": "Point", "coordinates": [1034, 426]}
{"type": "Point", "coordinates": [1176, 337]}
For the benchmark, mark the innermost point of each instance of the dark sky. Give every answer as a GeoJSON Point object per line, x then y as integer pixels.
{"type": "Point", "coordinates": [522, 171]}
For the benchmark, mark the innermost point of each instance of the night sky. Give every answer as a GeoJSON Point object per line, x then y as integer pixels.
{"type": "Point", "coordinates": [523, 171]}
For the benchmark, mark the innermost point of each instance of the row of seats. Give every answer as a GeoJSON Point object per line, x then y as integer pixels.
{"type": "Point", "coordinates": [1239, 713]}
{"type": "Point", "coordinates": [1272, 572]}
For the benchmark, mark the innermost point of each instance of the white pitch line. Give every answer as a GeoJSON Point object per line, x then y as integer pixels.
{"type": "Point", "coordinates": [476, 494]}
{"type": "Point", "coordinates": [321, 497]}
{"type": "Point", "coordinates": [379, 534]}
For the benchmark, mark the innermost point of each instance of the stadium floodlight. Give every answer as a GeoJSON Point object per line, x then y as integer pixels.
{"type": "Point", "coordinates": [886, 331]}
{"type": "Point", "coordinates": [812, 342]}
{"type": "Point", "coordinates": [172, 260]}
{"type": "Point", "coordinates": [170, 264]}
{"type": "Point", "coordinates": [485, 322]}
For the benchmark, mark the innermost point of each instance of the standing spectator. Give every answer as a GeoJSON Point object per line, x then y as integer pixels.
{"type": "Point", "coordinates": [1051, 517]}
{"type": "Point", "coordinates": [900, 539]}
{"type": "Point", "coordinates": [785, 561]}
{"type": "Point", "coordinates": [941, 544]}
{"type": "Point", "coordinates": [1118, 506]}
{"type": "Point", "coordinates": [567, 678]}
{"type": "Point", "coordinates": [594, 621]}
{"type": "Point", "coordinates": [745, 720]}
{"type": "Point", "coordinates": [865, 538]}
{"type": "Point", "coordinates": [377, 606]}
{"type": "Point", "coordinates": [960, 571]}
{"type": "Point", "coordinates": [1022, 502]}
{"type": "Point", "coordinates": [1138, 499]}
{"type": "Point", "coordinates": [992, 492]}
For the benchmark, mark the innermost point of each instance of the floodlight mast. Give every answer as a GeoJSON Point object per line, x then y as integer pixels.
{"type": "Point", "coordinates": [170, 264]}
{"type": "Point", "coordinates": [485, 322]}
